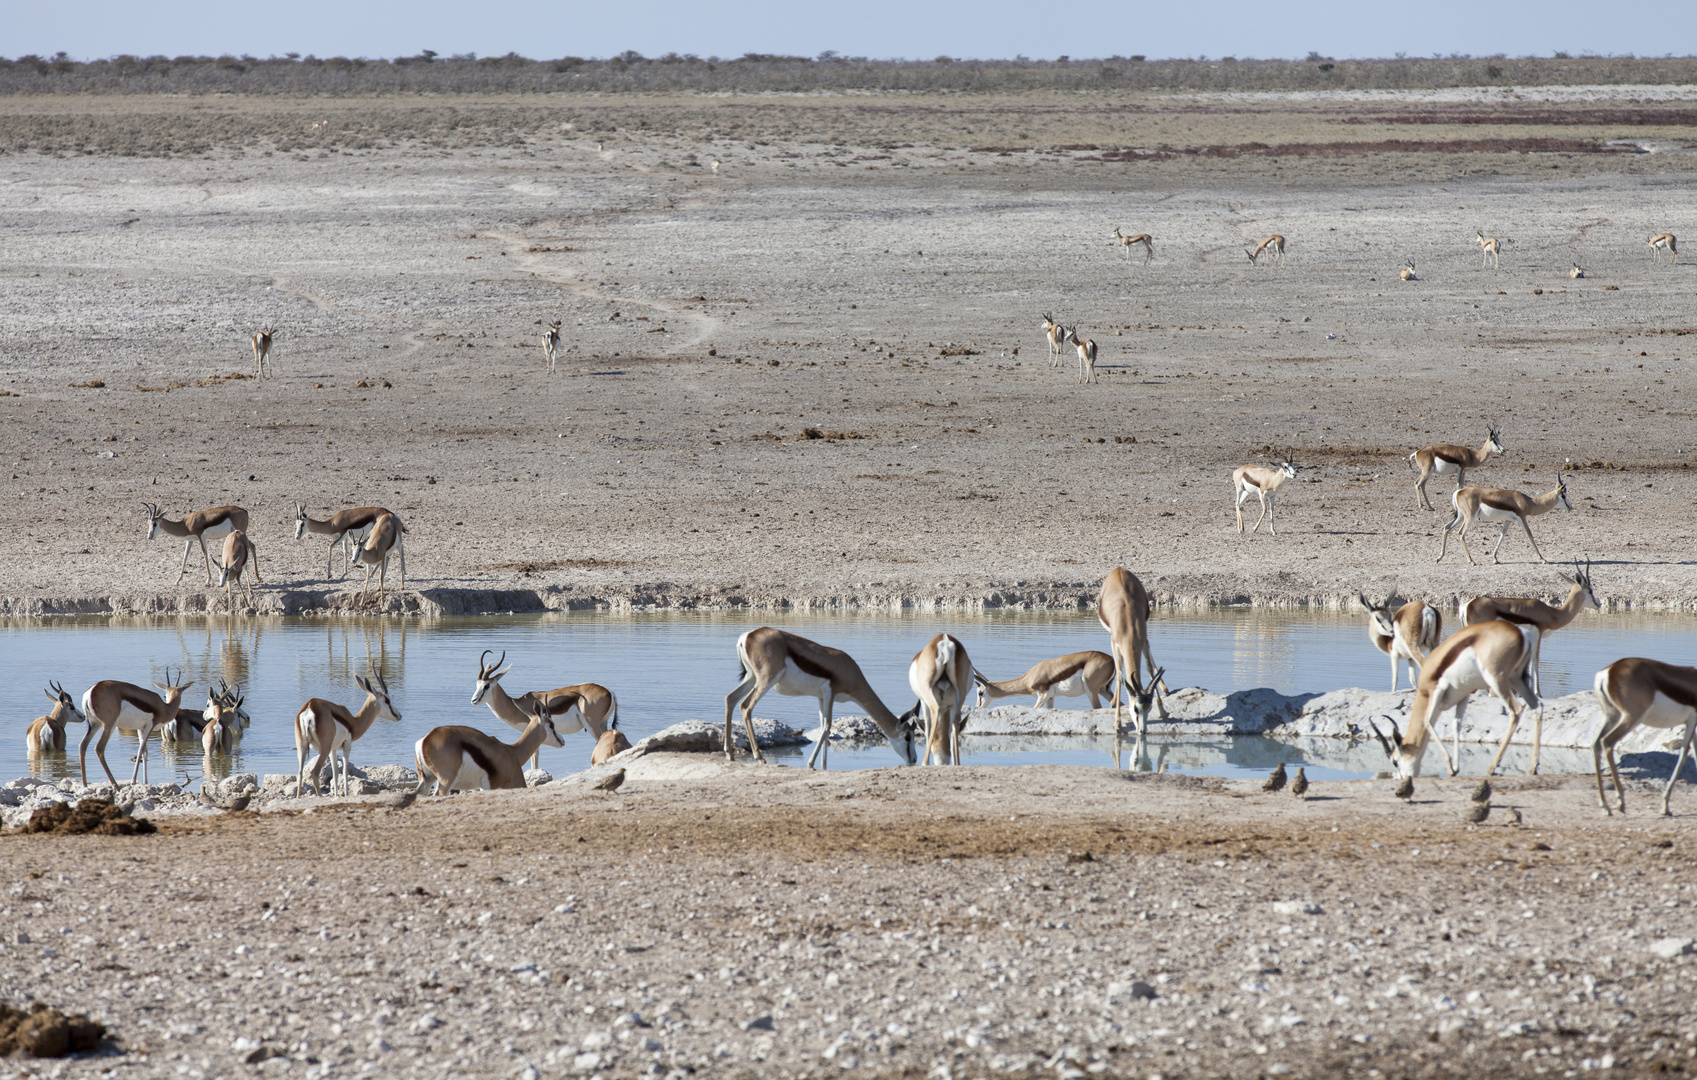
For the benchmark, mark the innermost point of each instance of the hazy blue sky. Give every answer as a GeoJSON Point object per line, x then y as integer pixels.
{"type": "Point", "coordinates": [876, 28]}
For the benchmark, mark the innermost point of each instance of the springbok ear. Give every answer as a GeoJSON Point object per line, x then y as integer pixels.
{"type": "Point", "coordinates": [360, 681]}
{"type": "Point", "coordinates": [51, 696]}
{"type": "Point", "coordinates": [1383, 742]}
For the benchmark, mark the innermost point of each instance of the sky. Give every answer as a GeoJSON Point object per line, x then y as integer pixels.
{"type": "Point", "coordinates": [882, 29]}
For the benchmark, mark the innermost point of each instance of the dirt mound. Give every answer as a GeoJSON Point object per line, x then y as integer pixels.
{"type": "Point", "coordinates": [45, 1032]}
{"type": "Point", "coordinates": [88, 816]}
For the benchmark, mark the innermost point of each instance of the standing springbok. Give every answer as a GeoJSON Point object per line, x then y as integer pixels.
{"type": "Point", "coordinates": [1264, 484]}
{"type": "Point", "coordinates": [1123, 610]}
{"type": "Point", "coordinates": [347, 528]}
{"type": "Point", "coordinates": [220, 521]}
{"type": "Point", "coordinates": [238, 552]}
{"type": "Point", "coordinates": [329, 730]}
{"type": "Point", "coordinates": [551, 343]}
{"type": "Point", "coordinates": [1073, 675]}
{"type": "Point", "coordinates": [1494, 656]}
{"type": "Point", "coordinates": [1492, 249]}
{"type": "Point", "coordinates": [1636, 691]}
{"type": "Point", "coordinates": [1444, 458]}
{"type": "Point", "coordinates": [1276, 243]}
{"type": "Point", "coordinates": [796, 667]}
{"type": "Point", "coordinates": [46, 734]}
{"type": "Point", "coordinates": [261, 351]}
{"type": "Point", "coordinates": [458, 758]}
{"type": "Point", "coordinates": [224, 727]}
{"type": "Point", "coordinates": [380, 543]}
{"type": "Point", "coordinates": [940, 676]}
{"type": "Point", "coordinates": [572, 707]}
{"type": "Point", "coordinates": [1548, 618]}
{"type": "Point", "coordinates": [1408, 633]}
{"type": "Point", "coordinates": [1057, 335]}
{"type": "Point", "coordinates": [1665, 242]}
{"type": "Point", "coordinates": [1501, 504]}
{"type": "Point", "coordinates": [110, 705]}
{"type": "Point", "coordinates": [1086, 356]}
{"type": "Point", "coordinates": [1128, 242]}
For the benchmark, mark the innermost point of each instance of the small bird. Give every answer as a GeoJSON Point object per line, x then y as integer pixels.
{"type": "Point", "coordinates": [1482, 793]}
{"type": "Point", "coordinates": [1275, 779]}
{"type": "Point", "coordinates": [403, 800]}
{"type": "Point", "coordinates": [1480, 811]}
{"type": "Point", "coordinates": [207, 799]}
{"type": "Point", "coordinates": [1405, 790]}
{"type": "Point", "coordinates": [612, 782]}
{"type": "Point", "coordinates": [1514, 815]}
{"type": "Point", "coordinates": [239, 803]}
{"type": "Point", "coordinates": [1299, 786]}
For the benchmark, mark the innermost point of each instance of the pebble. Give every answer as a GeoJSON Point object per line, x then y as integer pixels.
{"type": "Point", "coordinates": [759, 1023]}
{"type": "Point", "coordinates": [427, 1022]}
{"type": "Point", "coordinates": [1296, 907]}
{"type": "Point", "coordinates": [1669, 947]}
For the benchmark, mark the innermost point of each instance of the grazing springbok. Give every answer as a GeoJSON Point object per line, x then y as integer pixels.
{"type": "Point", "coordinates": [1495, 656]}
{"type": "Point", "coordinates": [1408, 633]}
{"type": "Point", "coordinates": [458, 758]}
{"type": "Point", "coordinates": [1636, 691]}
{"type": "Point", "coordinates": [347, 528]}
{"type": "Point", "coordinates": [1491, 248]}
{"type": "Point", "coordinates": [1073, 675]}
{"type": "Point", "coordinates": [551, 343]}
{"type": "Point", "coordinates": [217, 522]}
{"type": "Point", "coordinates": [1128, 242]}
{"type": "Point", "coordinates": [1665, 242]}
{"type": "Point", "coordinates": [110, 705]}
{"type": "Point", "coordinates": [1086, 356]}
{"type": "Point", "coordinates": [1057, 335]}
{"type": "Point", "coordinates": [572, 707]}
{"type": "Point", "coordinates": [330, 730]}
{"type": "Point", "coordinates": [940, 677]}
{"type": "Point", "coordinates": [1264, 484]}
{"type": "Point", "coordinates": [1548, 618]}
{"type": "Point", "coordinates": [611, 743]}
{"type": "Point", "coordinates": [1501, 504]}
{"type": "Point", "coordinates": [1407, 272]}
{"type": "Point", "coordinates": [224, 727]}
{"type": "Point", "coordinates": [1123, 610]}
{"type": "Point", "coordinates": [46, 734]}
{"type": "Point", "coordinates": [796, 667]}
{"type": "Point", "coordinates": [1444, 458]}
{"type": "Point", "coordinates": [1276, 243]}
{"type": "Point", "coordinates": [261, 351]}
{"type": "Point", "coordinates": [383, 540]}
{"type": "Point", "coordinates": [238, 553]}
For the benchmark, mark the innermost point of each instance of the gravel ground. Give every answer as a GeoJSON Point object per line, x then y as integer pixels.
{"type": "Point", "coordinates": [735, 920]}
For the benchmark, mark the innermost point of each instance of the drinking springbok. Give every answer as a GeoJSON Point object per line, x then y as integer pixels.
{"type": "Point", "coordinates": [1123, 610]}
{"type": "Point", "coordinates": [1548, 618]}
{"type": "Point", "coordinates": [940, 676]}
{"type": "Point", "coordinates": [238, 552]}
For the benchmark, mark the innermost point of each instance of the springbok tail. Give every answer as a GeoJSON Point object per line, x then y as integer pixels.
{"type": "Point", "coordinates": [613, 712]}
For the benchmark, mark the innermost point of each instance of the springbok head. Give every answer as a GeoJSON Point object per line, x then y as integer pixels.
{"type": "Point", "coordinates": [903, 742]}
{"type": "Point", "coordinates": [1494, 443]}
{"type": "Point", "coordinates": [1288, 465]}
{"type": "Point", "coordinates": [153, 516]}
{"type": "Point", "coordinates": [378, 688]}
{"type": "Point", "coordinates": [1380, 614]}
{"type": "Point", "coordinates": [63, 707]}
{"type": "Point", "coordinates": [172, 690]}
{"type": "Point", "coordinates": [1582, 578]}
{"type": "Point", "coordinates": [300, 520]}
{"type": "Point", "coordinates": [487, 675]}
{"type": "Point", "coordinates": [550, 736]}
{"type": "Point", "coordinates": [1561, 492]}
{"type": "Point", "coordinates": [1405, 759]}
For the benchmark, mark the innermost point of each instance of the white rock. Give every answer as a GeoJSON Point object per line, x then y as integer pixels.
{"type": "Point", "coordinates": [427, 1022]}
{"type": "Point", "coordinates": [563, 909]}
{"type": "Point", "coordinates": [1296, 907]}
{"type": "Point", "coordinates": [1669, 947]}
{"type": "Point", "coordinates": [629, 1019]}
{"type": "Point", "coordinates": [391, 774]}
{"type": "Point", "coordinates": [586, 1061]}
{"type": "Point", "coordinates": [596, 1040]}
{"type": "Point", "coordinates": [538, 777]}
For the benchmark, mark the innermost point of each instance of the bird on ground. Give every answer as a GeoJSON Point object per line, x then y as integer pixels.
{"type": "Point", "coordinates": [612, 782]}
{"type": "Point", "coordinates": [1405, 790]}
{"type": "Point", "coordinates": [1299, 786]}
{"type": "Point", "coordinates": [403, 800]}
{"type": "Point", "coordinates": [1482, 793]}
{"type": "Point", "coordinates": [239, 803]}
{"type": "Point", "coordinates": [1479, 812]}
{"type": "Point", "coordinates": [1514, 815]}
{"type": "Point", "coordinates": [1275, 779]}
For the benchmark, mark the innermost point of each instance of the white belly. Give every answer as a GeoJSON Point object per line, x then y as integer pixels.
{"type": "Point", "coordinates": [222, 529]}
{"type": "Point", "coordinates": [1491, 513]}
{"type": "Point", "coordinates": [795, 682]}
{"type": "Point", "coordinates": [131, 718]}
{"type": "Point", "coordinates": [1071, 686]}
{"type": "Point", "coordinates": [569, 721]}
{"type": "Point", "coordinates": [1664, 712]}
{"type": "Point", "coordinates": [470, 777]}
{"type": "Point", "coordinates": [1440, 465]}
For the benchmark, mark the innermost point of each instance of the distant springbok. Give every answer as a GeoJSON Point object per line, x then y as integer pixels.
{"type": "Point", "coordinates": [940, 676]}
{"type": "Point", "coordinates": [1274, 242]}
{"type": "Point", "coordinates": [1504, 505]}
{"type": "Point", "coordinates": [261, 350]}
{"type": "Point", "coordinates": [1407, 272]}
{"type": "Point", "coordinates": [238, 552]}
{"type": "Point", "coordinates": [1128, 242]}
{"type": "Point", "coordinates": [1086, 356]}
{"type": "Point", "coordinates": [1492, 249]}
{"type": "Point", "coordinates": [1665, 242]}
{"type": "Point", "coordinates": [198, 526]}
{"type": "Point", "coordinates": [1057, 335]}
{"type": "Point", "coordinates": [1264, 483]}
{"type": "Point", "coordinates": [1450, 458]}
{"type": "Point", "coordinates": [1076, 674]}
{"type": "Point", "coordinates": [551, 343]}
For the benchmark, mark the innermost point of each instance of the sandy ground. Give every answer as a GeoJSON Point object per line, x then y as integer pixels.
{"type": "Point", "coordinates": [853, 267]}
{"type": "Point", "coordinates": [732, 920]}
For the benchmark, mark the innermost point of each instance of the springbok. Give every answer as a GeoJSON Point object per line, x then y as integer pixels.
{"type": "Point", "coordinates": [1086, 356]}
{"type": "Point", "coordinates": [1636, 691]}
{"type": "Point", "coordinates": [329, 730]}
{"type": "Point", "coordinates": [380, 543]}
{"type": "Point", "coordinates": [1073, 675]}
{"type": "Point", "coordinates": [1501, 504]}
{"type": "Point", "coordinates": [1548, 618]}
{"type": "Point", "coordinates": [611, 743]}
{"type": "Point", "coordinates": [110, 705]}
{"type": "Point", "coordinates": [551, 343]}
{"type": "Point", "coordinates": [1123, 610]}
{"type": "Point", "coordinates": [1057, 335]}
{"type": "Point", "coordinates": [261, 350]}
{"type": "Point", "coordinates": [238, 552]}
{"type": "Point", "coordinates": [1275, 242]}
{"type": "Point", "coordinates": [1408, 633]}
{"type": "Point", "coordinates": [572, 707]}
{"type": "Point", "coordinates": [1407, 272]}
{"type": "Point", "coordinates": [1446, 458]}
{"type": "Point", "coordinates": [465, 759]}
{"type": "Point", "coordinates": [796, 667]}
{"type": "Point", "coordinates": [1491, 248]}
{"type": "Point", "coordinates": [347, 528]}
{"type": "Point", "coordinates": [1577, 272]}
{"type": "Point", "coordinates": [1264, 484]}
{"type": "Point", "coordinates": [1128, 242]}
{"type": "Point", "coordinates": [940, 676]}
{"type": "Point", "coordinates": [220, 521]}
{"type": "Point", "coordinates": [46, 734]}
{"type": "Point", "coordinates": [224, 727]}
{"type": "Point", "coordinates": [1665, 242]}
{"type": "Point", "coordinates": [1495, 656]}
